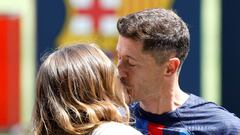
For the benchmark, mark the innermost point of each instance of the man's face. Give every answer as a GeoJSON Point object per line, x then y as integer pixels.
{"type": "Point", "coordinates": [138, 71]}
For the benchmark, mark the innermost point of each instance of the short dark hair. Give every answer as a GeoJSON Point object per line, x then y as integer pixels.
{"type": "Point", "coordinates": [162, 32]}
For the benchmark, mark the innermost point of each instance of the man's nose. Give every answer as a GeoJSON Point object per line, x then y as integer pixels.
{"type": "Point", "coordinates": [121, 68]}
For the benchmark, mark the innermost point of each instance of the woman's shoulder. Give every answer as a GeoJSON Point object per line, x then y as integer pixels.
{"type": "Point", "coordinates": [110, 128]}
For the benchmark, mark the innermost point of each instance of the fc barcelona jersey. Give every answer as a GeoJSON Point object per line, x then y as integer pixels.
{"type": "Point", "coordinates": [195, 117]}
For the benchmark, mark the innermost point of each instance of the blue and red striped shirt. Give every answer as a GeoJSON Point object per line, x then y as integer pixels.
{"type": "Point", "coordinates": [195, 117]}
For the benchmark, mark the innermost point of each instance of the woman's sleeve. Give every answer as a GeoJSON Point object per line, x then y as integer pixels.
{"type": "Point", "coordinates": [114, 128]}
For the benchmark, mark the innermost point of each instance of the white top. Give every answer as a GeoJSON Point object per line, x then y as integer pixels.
{"type": "Point", "coordinates": [114, 128]}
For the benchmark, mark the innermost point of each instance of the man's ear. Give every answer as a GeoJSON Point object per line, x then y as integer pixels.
{"type": "Point", "coordinates": [172, 66]}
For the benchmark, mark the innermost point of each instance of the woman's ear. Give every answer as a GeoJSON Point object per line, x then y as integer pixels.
{"type": "Point", "coordinates": [173, 66]}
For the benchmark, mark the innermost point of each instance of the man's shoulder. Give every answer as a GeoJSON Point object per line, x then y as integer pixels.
{"type": "Point", "coordinates": [198, 107]}
{"type": "Point", "coordinates": [197, 104]}
{"type": "Point", "coordinates": [203, 116]}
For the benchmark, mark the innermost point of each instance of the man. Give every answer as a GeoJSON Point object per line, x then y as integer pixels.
{"type": "Point", "coordinates": [152, 47]}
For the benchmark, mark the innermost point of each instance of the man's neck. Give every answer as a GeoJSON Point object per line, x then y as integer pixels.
{"type": "Point", "coordinates": [164, 102]}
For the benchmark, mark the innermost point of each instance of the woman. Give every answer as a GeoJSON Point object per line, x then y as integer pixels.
{"type": "Point", "coordinates": [78, 92]}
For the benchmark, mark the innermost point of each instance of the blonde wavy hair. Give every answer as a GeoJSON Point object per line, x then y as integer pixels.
{"type": "Point", "coordinates": [77, 90]}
